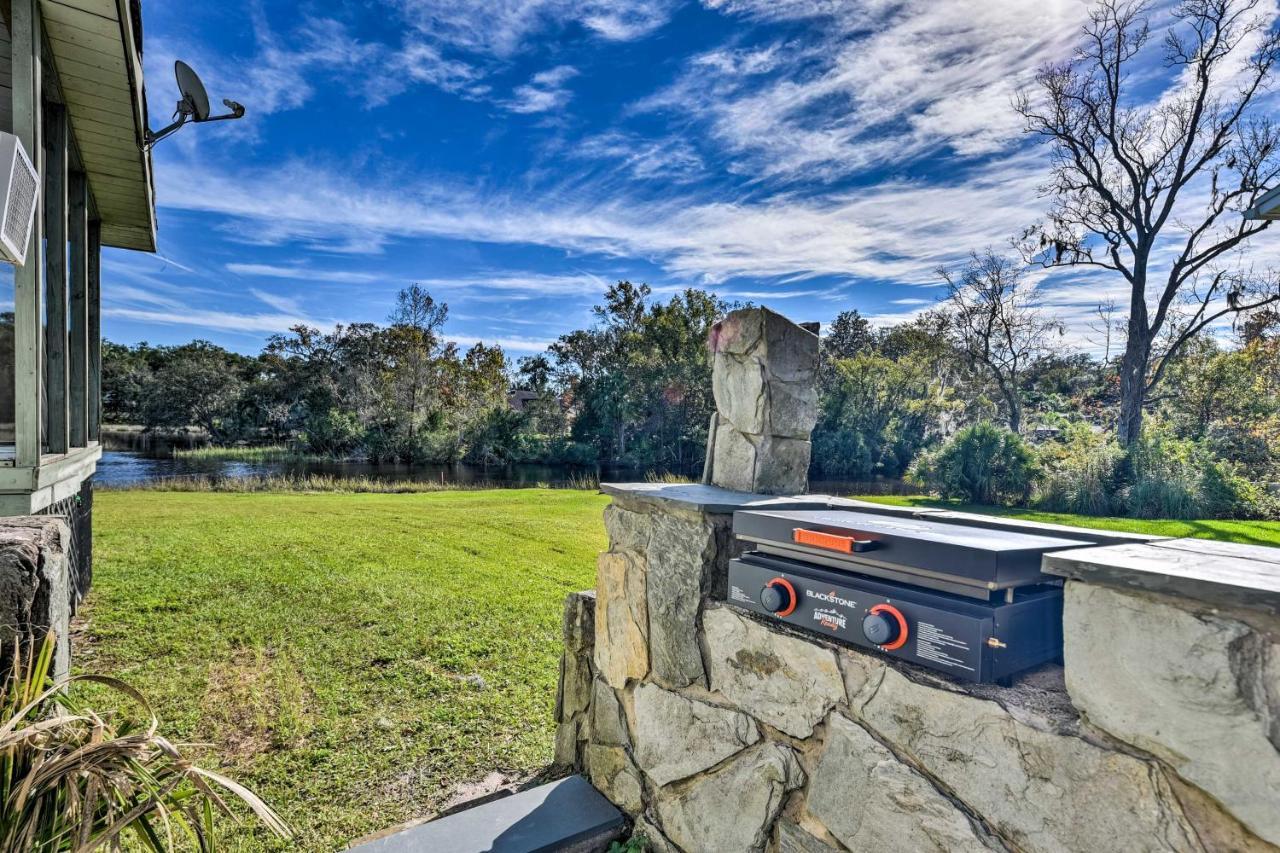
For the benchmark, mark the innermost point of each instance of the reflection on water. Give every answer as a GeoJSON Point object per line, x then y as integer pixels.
{"type": "Point", "coordinates": [126, 467]}
{"type": "Point", "coordinates": [133, 456]}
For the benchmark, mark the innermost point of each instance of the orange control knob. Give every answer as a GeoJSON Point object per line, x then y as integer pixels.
{"type": "Point", "coordinates": [779, 597]}
{"type": "Point", "coordinates": [886, 627]}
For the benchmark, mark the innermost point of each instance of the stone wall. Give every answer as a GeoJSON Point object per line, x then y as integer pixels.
{"type": "Point", "coordinates": [718, 732]}
{"type": "Point", "coordinates": [35, 585]}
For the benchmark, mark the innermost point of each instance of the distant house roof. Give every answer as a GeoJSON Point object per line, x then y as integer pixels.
{"type": "Point", "coordinates": [97, 56]}
{"type": "Point", "coordinates": [520, 398]}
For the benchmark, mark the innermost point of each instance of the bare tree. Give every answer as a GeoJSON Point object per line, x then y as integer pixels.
{"type": "Point", "coordinates": [1154, 189]}
{"type": "Point", "coordinates": [997, 324]}
{"type": "Point", "coordinates": [1105, 327]}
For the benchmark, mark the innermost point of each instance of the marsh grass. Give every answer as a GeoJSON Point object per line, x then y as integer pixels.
{"type": "Point", "coordinates": [262, 454]}
{"type": "Point", "coordinates": [357, 484]}
{"type": "Point", "coordinates": [667, 477]}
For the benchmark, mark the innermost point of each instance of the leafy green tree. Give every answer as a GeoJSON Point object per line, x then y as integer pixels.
{"type": "Point", "coordinates": [197, 384]}
{"type": "Point", "coordinates": [535, 373]}
{"type": "Point", "coordinates": [1229, 399]}
{"type": "Point", "coordinates": [126, 373]}
{"type": "Point", "coordinates": [876, 415]}
{"type": "Point", "coordinates": [638, 381]}
{"type": "Point", "coordinates": [414, 344]}
{"type": "Point", "coordinates": [849, 335]}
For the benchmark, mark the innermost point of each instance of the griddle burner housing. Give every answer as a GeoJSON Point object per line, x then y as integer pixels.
{"type": "Point", "coordinates": [967, 601]}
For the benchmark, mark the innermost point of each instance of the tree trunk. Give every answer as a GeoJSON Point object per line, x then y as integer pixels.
{"type": "Point", "coordinates": [1137, 356]}
{"type": "Point", "coordinates": [1013, 400]}
{"type": "Point", "coordinates": [1133, 384]}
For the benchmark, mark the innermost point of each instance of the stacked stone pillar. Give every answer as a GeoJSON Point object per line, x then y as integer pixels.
{"type": "Point", "coordinates": [764, 369]}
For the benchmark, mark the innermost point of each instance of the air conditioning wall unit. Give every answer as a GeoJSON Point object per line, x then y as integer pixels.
{"type": "Point", "coordinates": [20, 184]}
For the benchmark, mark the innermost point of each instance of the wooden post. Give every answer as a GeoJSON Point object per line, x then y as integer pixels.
{"type": "Point", "coordinates": [55, 232]}
{"type": "Point", "coordinates": [78, 347]}
{"type": "Point", "coordinates": [28, 293]}
{"type": "Point", "coordinates": [94, 270]}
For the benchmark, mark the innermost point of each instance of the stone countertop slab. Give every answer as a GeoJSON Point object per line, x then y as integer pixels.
{"type": "Point", "coordinates": [704, 498]}
{"type": "Point", "coordinates": [715, 499]}
{"type": "Point", "coordinates": [1215, 573]}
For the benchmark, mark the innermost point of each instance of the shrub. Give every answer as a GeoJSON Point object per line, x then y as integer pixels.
{"type": "Point", "coordinates": [495, 437]}
{"type": "Point", "coordinates": [334, 433]}
{"type": "Point", "coordinates": [983, 464]}
{"type": "Point", "coordinates": [1082, 473]}
{"type": "Point", "coordinates": [1226, 494]}
{"type": "Point", "coordinates": [842, 454]}
{"type": "Point", "coordinates": [1180, 478]}
{"type": "Point", "coordinates": [1171, 495]}
{"type": "Point", "coordinates": [567, 452]}
{"type": "Point", "coordinates": [432, 447]}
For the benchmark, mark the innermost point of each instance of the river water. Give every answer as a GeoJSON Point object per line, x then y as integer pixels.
{"type": "Point", "coordinates": [128, 459]}
{"type": "Point", "coordinates": [127, 467]}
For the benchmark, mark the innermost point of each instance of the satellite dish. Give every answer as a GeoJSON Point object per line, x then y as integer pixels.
{"type": "Point", "coordinates": [193, 93]}
{"type": "Point", "coordinates": [194, 105]}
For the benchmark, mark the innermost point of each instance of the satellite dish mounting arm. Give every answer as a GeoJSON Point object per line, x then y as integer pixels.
{"type": "Point", "coordinates": [185, 114]}
{"type": "Point", "coordinates": [194, 106]}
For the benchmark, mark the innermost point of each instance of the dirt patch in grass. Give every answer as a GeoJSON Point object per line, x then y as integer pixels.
{"type": "Point", "coordinates": [256, 702]}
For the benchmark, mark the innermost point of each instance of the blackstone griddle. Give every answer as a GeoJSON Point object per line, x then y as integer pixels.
{"type": "Point", "coordinates": [950, 557]}
{"type": "Point", "coordinates": [964, 600]}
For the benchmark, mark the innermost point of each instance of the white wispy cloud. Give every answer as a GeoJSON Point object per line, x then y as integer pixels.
{"type": "Point", "coordinates": [210, 319]}
{"type": "Point", "coordinates": [280, 302]}
{"type": "Point", "coordinates": [502, 28]}
{"type": "Point", "coordinates": [899, 230]}
{"type": "Point", "coordinates": [873, 83]}
{"type": "Point", "coordinates": [515, 284]}
{"type": "Point", "coordinates": [507, 343]}
{"type": "Point", "coordinates": [545, 91]}
{"type": "Point", "coordinates": [132, 293]}
{"type": "Point", "coordinates": [300, 272]}
{"type": "Point", "coordinates": [669, 158]}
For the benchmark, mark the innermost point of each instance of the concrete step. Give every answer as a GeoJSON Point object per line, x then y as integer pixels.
{"type": "Point", "coordinates": [567, 815]}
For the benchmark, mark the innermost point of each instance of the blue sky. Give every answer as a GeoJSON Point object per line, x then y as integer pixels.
{"type": "Point", "coordinates": [516, 156]}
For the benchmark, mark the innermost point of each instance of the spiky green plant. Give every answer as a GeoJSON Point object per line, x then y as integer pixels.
{"type": "Point", "coordinates": [73, 779]}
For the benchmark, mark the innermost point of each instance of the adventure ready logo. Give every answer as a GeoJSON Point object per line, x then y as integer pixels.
{"type": "Point", "coordinates": [832, 620]}
{"type": "Point", "coordinates": [830, 598]}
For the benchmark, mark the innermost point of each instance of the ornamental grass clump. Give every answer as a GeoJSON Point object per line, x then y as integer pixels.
{"type": "Point", "coordinates": [72, 779]}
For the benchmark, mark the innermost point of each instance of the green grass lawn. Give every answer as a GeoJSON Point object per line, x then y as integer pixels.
{"type": "Point", "coordinates": [329, 644]}
{"type": "Point", "coordinates": [1249, 532]}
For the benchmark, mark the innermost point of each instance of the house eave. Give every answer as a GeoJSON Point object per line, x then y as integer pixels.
{"type": "Point", "coordinates": [95, 50]}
